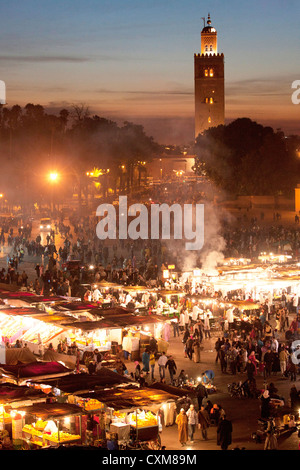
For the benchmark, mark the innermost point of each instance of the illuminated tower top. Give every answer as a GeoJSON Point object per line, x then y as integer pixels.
{"type": "Point", "coordinates": [209, 38]}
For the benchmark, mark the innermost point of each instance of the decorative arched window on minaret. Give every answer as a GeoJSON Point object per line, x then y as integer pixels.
{"type": "Point", "coordinates": [209, 80]}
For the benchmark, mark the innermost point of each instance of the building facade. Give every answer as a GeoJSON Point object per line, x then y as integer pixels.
{"type": "Point", "coordinates": [209, 82]}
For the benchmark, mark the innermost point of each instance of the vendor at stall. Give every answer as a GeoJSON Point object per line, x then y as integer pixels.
{"type": "Point", "coordinates": [208, 377]}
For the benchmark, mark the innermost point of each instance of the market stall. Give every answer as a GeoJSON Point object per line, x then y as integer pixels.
{"type": "Point", "coordinates": [11, 398]}
{"type": "Point", "coordinates": [31, 326]}
{"type": "Point", "coordinates": [129, 412]}
{"type": "Point", "coordinates": [20, 374]}
{"type": "Point", "coordinates": [45, 425]}
{"type": "Point", "coordinates": [64, 385]}
{"type": "Point", "coordinates": [14, 356]}
{"type": "Point", "coordinates": [28, 299]}
{"type": "Point", "coordinates": [111, 330]}
{"type": "Point", "coordinates": [137, 298]}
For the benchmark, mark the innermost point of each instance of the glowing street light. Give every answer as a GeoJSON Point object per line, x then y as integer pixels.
{"type": "Point", "coordinates": [53, 176]}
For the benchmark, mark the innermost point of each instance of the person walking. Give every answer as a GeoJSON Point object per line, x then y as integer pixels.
{"type": "Point", "coordinates": [189, 347]}
{"type": "Point", "coordinates": [196, 349]}
{"type": "Point", "coordinates": [283, 359]}
{"type": "Point", "coordinates": [250, 369]}
{"type": "Point", "coordinates": [152, 365]}
{"type": "Point", "coordinates": [206, 327]}
{"type": "Point", "coordinates": [146, 360]}
{"type": "Point", "coordinates": [223, 360]}
{"type": "Point", "coordinates": [182, 423]}
{"type": "Point", "coordinates": [137, 371]}
{"type": "Point", "coordinates": [201, 393]}
{"type": "Point", "coordinates": [175, 324]}
{"type": "Point", "coordinates": [162, 360]}
{"type": "Point", "coordinates": [218, 345]}
{"type": "Point", "coordinates": [268, 360]}
{"type": "Point", "coordinates": [171, 365]}
{"type": "Point", "coordinates": [265, 408]}
{"type": "Point", "coordinates": [192, 422]}
{"type": "Point", "coordinates": [292, 370]}
{"type": "Point", "coordinates": [203, 421]}
{"type": "Point", "coordinates": [271, 439]}
{"type": "Point", "coordinates": [224, 433]}
{"type": "Point", "coordinates": [295, 399]}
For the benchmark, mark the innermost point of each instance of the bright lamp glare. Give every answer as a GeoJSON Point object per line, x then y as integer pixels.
{"type": "Point", "coordinates": [53, 176]}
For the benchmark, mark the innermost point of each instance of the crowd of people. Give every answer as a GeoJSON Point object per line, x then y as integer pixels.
{"type": "Point", "coordinates": [244, 354]}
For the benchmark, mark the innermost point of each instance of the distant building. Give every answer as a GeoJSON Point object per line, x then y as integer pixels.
{"type": "Point", "coordinates": [209, 82]}
{"type": "Point", "coordinates": [171, 167]}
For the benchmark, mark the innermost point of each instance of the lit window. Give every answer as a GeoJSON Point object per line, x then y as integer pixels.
{"type": "Point", "coordinates": [206, 100]}
{"type": "Point", "coordinates": [211, 72]}
{"type": "Point", "coordinates": [211, 100]}
{"type": "Point", "coordinates": [209, 120]}
{"type": "Point", "coordinates": [206, 73]}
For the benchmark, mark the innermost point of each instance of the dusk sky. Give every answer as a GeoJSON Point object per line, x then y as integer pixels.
{"type": "Point", "coordinates": [134, 60]}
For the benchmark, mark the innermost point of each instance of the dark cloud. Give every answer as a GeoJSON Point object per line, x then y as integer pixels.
{"type": "Point", "coordinates": [264, 86]}
{"type": "Point", "coordinates": [39, 58]}
{"type": "Point", "coordinates": [149, 96]}
{"type": "Point", "coordinates": [144, 92]}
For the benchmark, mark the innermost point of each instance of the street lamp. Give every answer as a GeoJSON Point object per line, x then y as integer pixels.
{"type": "Point", "coordinates": [53, 176]}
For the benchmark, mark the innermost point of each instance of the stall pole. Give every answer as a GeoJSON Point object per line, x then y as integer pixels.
{"type": "Point", "coordinates": [137, 433]}
{"type": "Point", "coordinates": [80, 427]}
{"type": "Point", "coordinates": [58, 438]}
{"type": "Point", "coordinates": [4, 419]}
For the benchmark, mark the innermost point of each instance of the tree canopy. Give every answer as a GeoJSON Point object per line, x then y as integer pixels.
{"type": "Point", "coordinates": [247, 158]}
{"type": "Point", "coordinates": [34, 142]}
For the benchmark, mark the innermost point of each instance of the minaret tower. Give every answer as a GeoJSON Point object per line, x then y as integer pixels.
{"type": "Point", "coordinates": [209, 81]}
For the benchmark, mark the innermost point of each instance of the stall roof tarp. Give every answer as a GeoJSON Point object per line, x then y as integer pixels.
{"type": "Point", "coordinates": [46, 411]}
{"type": "Point", "coordinates": [117, 322]}
{"type": "Point", "coordinates": [130, 398]}
{"type": "Point", "coordinates": [104, 378]}
{"type": "Point", "coordinates": [77, 306]}
{"type": "Point", "coordinates": [178, 392]}
{"type": "Point", "coordinates": [136, 289]}
{"type": "Point", "coordinates": [108, 285]}
{"type": "Point", "coordinates": [33, 369]}
{"type": "Point", "coordinates": [57, 319]}
{"type": "Point", "coordinates": [29, 297]}
{"type": "Point", "coordinates": [44, 299]}
{"type": "Point", "coordinates": [14, 356]}
{"type": "Point", "coordinates": [109, 312]}
{"type": "Point", "coordinates": [30, 311]}
{"type": "Point", "coordinates": [10, 393]}
{"type": "Point", "coordinates": [170, 292]}
{"type": "Point", "coordinates": [202, 297]}
{"type": "Point", "coordinates": [6, 294]}
{"type": "Point", "coordinates": [244, 304]}
{"type": "Point", "coordinates": [68, 360]}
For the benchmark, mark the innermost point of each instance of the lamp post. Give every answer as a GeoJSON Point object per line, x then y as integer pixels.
{"type": "Point", "coordinates": [53, 178]}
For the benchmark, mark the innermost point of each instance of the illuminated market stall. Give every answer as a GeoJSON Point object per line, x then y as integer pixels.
{"type": "Point", "coordinates": [111, 404]}
{"type": "Point", "coordinates": [28, 299]}
{"type": "Point", "coordinates": [48, 425]}
{"type": "Point", "coordinates": [21, 373]}
{"type": "Point", "coordinates": [128, 412]}
{"type": "Point", "coordinates": [110, 330]}
{"type": "Point", "coordinates": [11, 398]}
{"type": "Point", "coordinates": [31, 326]}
